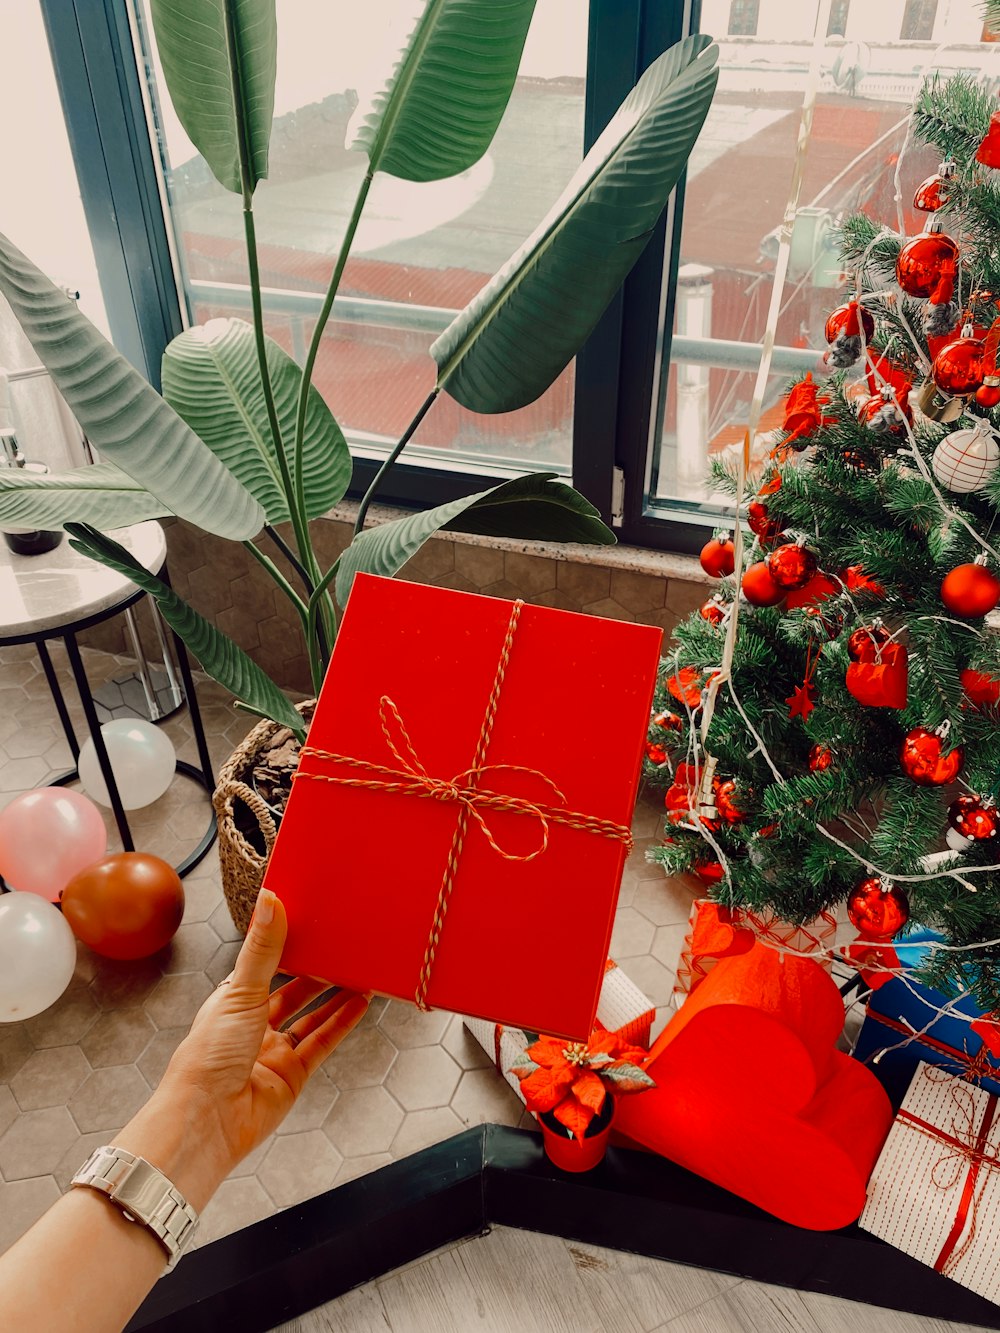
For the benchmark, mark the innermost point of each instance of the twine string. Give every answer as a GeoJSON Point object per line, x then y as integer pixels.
{"type": "Point", "coordinates": [411, 778]}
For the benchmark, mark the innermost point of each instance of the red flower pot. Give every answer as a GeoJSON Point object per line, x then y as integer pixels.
{"type": "Point", "coordinates": [572, 1154]}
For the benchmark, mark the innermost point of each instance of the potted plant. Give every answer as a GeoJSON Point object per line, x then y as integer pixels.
{"type": "Point", "coordinates": [240, 440]}
{"type": "Point", "coordinates": [571, 1086]}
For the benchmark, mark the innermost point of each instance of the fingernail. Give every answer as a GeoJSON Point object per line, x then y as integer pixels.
{"type": "Point", "coordinates": [264, 912]}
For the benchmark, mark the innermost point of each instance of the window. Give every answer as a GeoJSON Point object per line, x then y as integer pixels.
{"type": "Point", "coordinates": [837, 22]}
{"type": "Point", "coordinates": [743, 18]}
{"type": "Point", "coordinates": [422, 250]}
{"type": "Point", "coordinates": [918, 21]}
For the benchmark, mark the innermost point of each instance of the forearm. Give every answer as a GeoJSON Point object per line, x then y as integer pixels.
{"type": "Point", "coordinates": [106, 1264]}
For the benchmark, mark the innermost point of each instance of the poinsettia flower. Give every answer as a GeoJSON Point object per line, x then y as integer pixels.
{"type": "Point", "coordinates": [545, 1088]}
{"type": "Point", "coordinates": [549, 1052]}
{"type": "Point", "coordinates": [574, 1115]}
{"type": "Point", "coordinates": [590, 1091]}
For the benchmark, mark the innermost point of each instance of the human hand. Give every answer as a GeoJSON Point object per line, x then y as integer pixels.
{"type": "Point", "coordinates": [237, 1073]}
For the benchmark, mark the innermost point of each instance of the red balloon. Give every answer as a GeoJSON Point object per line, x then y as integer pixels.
{"type": "Point", "coordinates": [718, 557]}
{"type": "Point", "coordinates": [958, 367]}
{"type": "Point", "coordinates": [864, 644]}
{"type": "Point", "coordinates": [820, 758]}
{"type": "Point", "coordinates": [792, 566]}
{"type": "Point", "coordinates": [970, 590]}
{"type": "Point", "coordinates": [128, 905]}
{"type": "Point", "coordinates": [980, 688]}
{"type": "Point", "coordinates": [973, 818]}
{"type": "Point", "coordinates": [923, 758]}
{"type": "Point", "coordinates": [759, 588]}
{"type": "Point", "coordinates": [920, 262]}
{"type": "Point", "coordinates": [841, 321]}
{"type": "Point", "coordinates": [878, 910]}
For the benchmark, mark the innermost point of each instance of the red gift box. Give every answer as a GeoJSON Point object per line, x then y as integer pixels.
{"type": "Point", "coordinates": [458, 826]}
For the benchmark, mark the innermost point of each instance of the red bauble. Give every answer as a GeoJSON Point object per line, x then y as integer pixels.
{"type": "Point", "coordinates": [848, 321]}
{"type": "Point", "coordinates": [718, 557]}
{"type": "Point", "coordinates": [958, 367]}
{"type": "Point", "coordinates": [759, 588]}
{"type": "Point", "coordinates": [709, 872]}
{"type": "Point", "coordinates": [864, 644]}
{"type": "Point", "coordinates": [980, 689]}
{"type": "Point", "coordinates": [668, 721]}
{"type": "Point", "coordinates": [877, 910]}
{"type": "Point", "coordinates": [820, 758]}
{"type": "Point", "coordinates": [988, 394]}
{"type": "Point", "coordinates": [725, 802]}
{"type": "Point", "coordinates": [712, 611]}
{"type": "Point", "coordinates": [881, 682]}
{"type": "Point", "coordinates": [792, 566]}
{"type": "Point", "coordinates": [760, 521]}
{"type": "Point", "coordinates": [932, 193]}
{"type": "Point", "coordinates": [920, 262]}
{"type": "Point", "coordinates": [858, 581]}
{"type": "Point", "coordinates": [885, 413]}
{"type": "Point", "coordinates": [973, 818]}
{"type": "Point", "coordinates": [924, 760]}
{"type": "Point", "coordinates": [988, 152]}
{"type": "Point", "coordinates": [817, 590]}
{"type": "Point", "coordinates": [970, 590]}
{"type": "Point", "coordinates": [656, 754]}
{"type": "Point", "coordinates": [127, 905]}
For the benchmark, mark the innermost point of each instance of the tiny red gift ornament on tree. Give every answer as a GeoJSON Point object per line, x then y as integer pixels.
{"type": "Point", "coordinates": [570, 1087]}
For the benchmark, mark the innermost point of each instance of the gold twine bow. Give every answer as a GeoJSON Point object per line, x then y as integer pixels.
{"type": "Point", "coordinates": [410, 778]}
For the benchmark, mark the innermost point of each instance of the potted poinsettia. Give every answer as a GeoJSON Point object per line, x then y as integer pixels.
{"type": "Point", "coordinates": [571, 1086]}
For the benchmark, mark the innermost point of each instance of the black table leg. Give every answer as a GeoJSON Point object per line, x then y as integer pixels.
{"type": "Point", "coordinates": [94, 726]}
{"type": "Point", "coordinates": [55, 689]}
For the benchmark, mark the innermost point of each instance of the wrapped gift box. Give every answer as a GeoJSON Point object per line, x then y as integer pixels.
{"type": "Point", "coordinates": [622, 1008]}
{"type": "Point", "coordinates": [891, 1047]}
{"type": "Point", "coordinates": [697, 959]}
{"type": "Point", "coordinates": [458, 826]}
{"type": "Point", "coordinates": [935, 1190]}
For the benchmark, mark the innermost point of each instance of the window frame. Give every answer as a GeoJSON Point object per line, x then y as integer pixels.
{"type": "Point", "coordinates": [93, 51]}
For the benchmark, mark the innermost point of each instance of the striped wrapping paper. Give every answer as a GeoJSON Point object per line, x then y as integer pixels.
{"type": "Point", "coordinates": [935, 1190]}
{"type": "Point", "coordinates": [691, 969]}
{"type": "Point", "coordinates": [622, 1008]}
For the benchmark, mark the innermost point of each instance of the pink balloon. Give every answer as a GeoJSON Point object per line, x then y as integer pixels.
{"type": "Point", "coordinates": [46, 837]}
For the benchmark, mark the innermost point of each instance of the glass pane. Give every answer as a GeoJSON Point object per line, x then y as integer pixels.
{"type": "Point", "coordinates": [738, 182]}
{"type": "Point", "coordinates": [42, 213]}
{"type": "Point", "coordinates": [422, 250]}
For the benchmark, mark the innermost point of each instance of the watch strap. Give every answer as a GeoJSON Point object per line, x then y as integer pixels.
{"type": "Point", "coordinates": [144, 1195]}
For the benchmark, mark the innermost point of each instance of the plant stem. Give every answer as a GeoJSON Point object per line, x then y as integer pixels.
{"type": "Point", "coordinates": [309, 629]}
{"type": "Point", "coordinates": [317, 338]}
{"type": "Point", "coordinates": [322, 641]}
{"type": "Point", "coordinates": [405, 438]}
{"type": "Point", "coordinates": [313, 625]}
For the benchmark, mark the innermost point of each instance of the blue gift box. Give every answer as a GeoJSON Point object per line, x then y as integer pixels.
{"type": "Point", "coordinates": [902, 1007]}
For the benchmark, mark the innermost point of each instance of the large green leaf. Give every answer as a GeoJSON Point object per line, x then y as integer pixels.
{"type": "Point", "coordinates": [125, 418]}
{"type": "Point", "coordinates": [219, 59]}
{"type": "Point", "coordinates": [211, 377]}
{"type": "Point", "coordinates": [224, 660]}
{"type": "Point", "coordinates": [536, 506]}
{"type": "Point", "coordinates": [102, 495]}
{"type": "Point", "coordinates": [530, 320]}
{"type": "Point", "coordinates": [436, 111]}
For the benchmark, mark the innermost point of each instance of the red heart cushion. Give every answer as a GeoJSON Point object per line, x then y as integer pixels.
{"type": "Point", "coordinates": [880, 684]}
{"type": "Point", "coordinates": [715, 936]}
{"type": "Point", "coordinates": [755, 1098]}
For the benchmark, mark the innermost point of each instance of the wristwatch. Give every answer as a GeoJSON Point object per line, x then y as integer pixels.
{"type": "Point", "coordinates": [143, 1194]}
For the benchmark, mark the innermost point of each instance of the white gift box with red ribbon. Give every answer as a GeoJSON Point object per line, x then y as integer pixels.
{"type": "Point", "coordinates": [935, 1190]}
{"type": "Point", "coordinates": [622, 1008]}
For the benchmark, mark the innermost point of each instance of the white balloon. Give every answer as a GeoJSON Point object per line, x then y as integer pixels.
{"type": "Point", "coordinates": [142, 760]}
{"type": "Point", "coordinates": [37, 955]}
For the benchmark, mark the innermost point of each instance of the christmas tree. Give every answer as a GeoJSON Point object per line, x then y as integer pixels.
{"type": "Point", "coordinates": [842, 740]}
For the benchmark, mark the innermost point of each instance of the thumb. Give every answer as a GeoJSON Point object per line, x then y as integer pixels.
{"type": "Point", "coordinates": [260, 955]}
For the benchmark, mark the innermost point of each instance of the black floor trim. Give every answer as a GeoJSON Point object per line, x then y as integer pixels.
{"type": "Point", "coordinates": [278, 1269]}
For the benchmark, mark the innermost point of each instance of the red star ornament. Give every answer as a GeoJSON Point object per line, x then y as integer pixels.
{"type": "Point", "coordinates": [802, 700]}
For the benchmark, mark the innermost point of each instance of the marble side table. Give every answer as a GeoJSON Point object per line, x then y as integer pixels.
{"type": "Point", "coordinates": [59, 593]}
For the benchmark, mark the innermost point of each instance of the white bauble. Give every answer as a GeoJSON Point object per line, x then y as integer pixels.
{"type": "Point", "coordinates": [965, 460]}
{"type": "Point", "coordinates": [142, 760]}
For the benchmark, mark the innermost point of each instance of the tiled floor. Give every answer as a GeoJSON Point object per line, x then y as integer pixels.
{"type": "Point", "coordinates": [72, 1076]}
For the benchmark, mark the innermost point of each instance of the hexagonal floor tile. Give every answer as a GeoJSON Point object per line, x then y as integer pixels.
{"type": "Point", "coordinates": [405, 1025]}
{"type": "Point", "coordinates": [353, 1167]}
{"type": "Point", "coordinates": [67, 1022]}
{"type": "Point", "coordinates": [35, 1143]}
{"type": "Point", "coordinates": [299, 1166]}
{"type": "Point", "coordinates": [22, 1202]}
{"type": "Point", "coordinates": [49, 1077]}
{"type": "Point", "coordinates": [191, 949]}
{"type": "Point", "coordinates": [422, 1128]}
{"type": "Point", "coordinates": [109, 1097]}
{"type": "Point", "coordinates": [462, 1046]}
{"type": "Point", "coordinates": [118, 1037]}
{"type": "Point", "coordinates": [664, 902]}
{"type": "Point", "coordinates": [423, 1077]}
{"type": "Point", "coordinates": [14, 1049]}
{"type": "Point", "coordinates": [312, 1105]}
{"type": "Point", "coordinates": [176, 1000]}
{"type": "Point", "coordinates": [483, 1097]}
{"type": "Point", "coordinates": [236, 1203]}
{"type": "Point", "coordinates": [632, 934]}
{"type": "Point", "coordinates": [29, 742]}
{"type": "Point", "coordinates": [363, 1121]}
{"type": "Point", "coordinates": [9, 1110]}
{"type": "Point", "coordinates": [362, 1060]}
{"type": "Point", "coordinates": [119, 985]}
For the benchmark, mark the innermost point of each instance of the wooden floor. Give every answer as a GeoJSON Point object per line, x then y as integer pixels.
{"type": "Point", "coordinates": [521, 1282]}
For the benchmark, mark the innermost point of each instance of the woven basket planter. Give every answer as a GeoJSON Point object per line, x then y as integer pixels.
{"type": "Point", "coordinates": [243, 864]}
